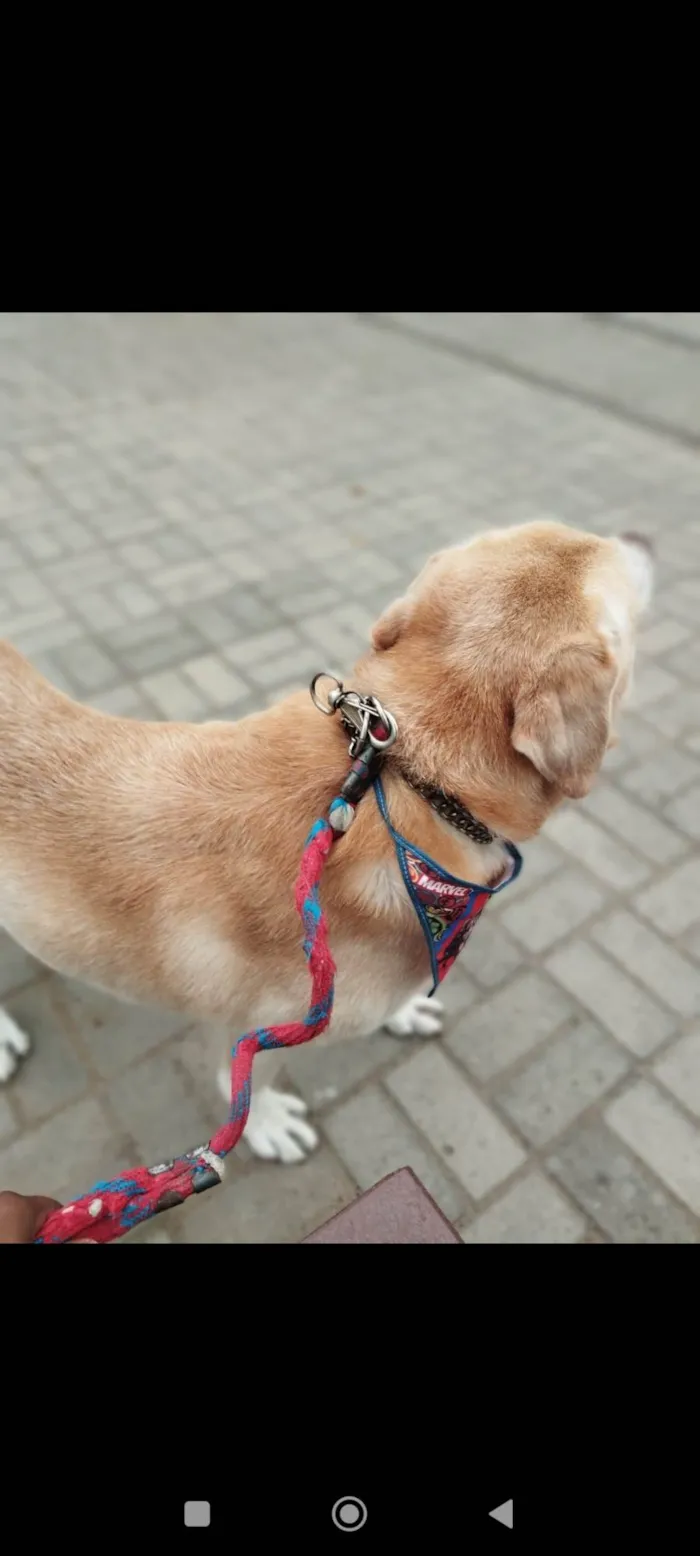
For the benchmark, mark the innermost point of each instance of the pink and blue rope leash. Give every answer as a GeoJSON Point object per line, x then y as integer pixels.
{"type": "Point", "coordinates": [112, 1208]}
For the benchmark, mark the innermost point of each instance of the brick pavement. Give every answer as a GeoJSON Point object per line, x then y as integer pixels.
{"type": "Point", "coordinates": [196, 511]}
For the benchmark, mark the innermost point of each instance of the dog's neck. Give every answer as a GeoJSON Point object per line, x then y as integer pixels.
{"type": "Point", "coordinates": [443, 828]}
{"type": "Point", "coordinates": [450, 809]}
{"type": "Point", "coordinates": [451, 740]}
{"type": "Point", "coordinates": [404, 758]}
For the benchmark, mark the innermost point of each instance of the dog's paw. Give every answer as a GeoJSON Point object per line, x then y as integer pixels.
{"type": "Point", "coordinates": [419, 1017]}
{"type": "Point", "coordinates": [14, 1044]}
{"type": "Point", "coordinates": [277, 1129]}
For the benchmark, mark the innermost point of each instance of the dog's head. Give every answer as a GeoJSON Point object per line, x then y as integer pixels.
{"type": "Point", "coordinates": [506, 662]}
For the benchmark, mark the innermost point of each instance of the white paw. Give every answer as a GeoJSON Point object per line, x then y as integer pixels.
{"type": "Point", "coordinates": [14, 1043]}
{"type": "Point", "coordinates": [419, 1017]}
{"type": "Point", "coordinates": [277, 1129]}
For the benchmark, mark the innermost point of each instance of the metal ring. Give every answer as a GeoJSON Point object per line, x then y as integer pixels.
{"type": "Point", "coordinates": [389, 723]}
{"type": "Point", "coordinates": [324, 675]}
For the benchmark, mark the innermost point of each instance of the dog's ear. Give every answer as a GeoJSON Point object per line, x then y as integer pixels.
{"type": "Point", "coordinates": [394, 620]}
{"type": "Point", "coordinates": [387, 631]}
{"type": "Point", "coordinates": [562, 721]}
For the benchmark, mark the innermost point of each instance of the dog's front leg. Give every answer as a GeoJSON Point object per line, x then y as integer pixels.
{"type": "Point", "coordinates": [276, 1130]}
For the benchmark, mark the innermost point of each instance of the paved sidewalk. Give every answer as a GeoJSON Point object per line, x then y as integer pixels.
{"type": "Point", "coordinates": [196, 512]}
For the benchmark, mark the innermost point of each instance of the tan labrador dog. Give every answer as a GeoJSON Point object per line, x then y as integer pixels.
{"type": "Point", "coordinates": [157, 861]}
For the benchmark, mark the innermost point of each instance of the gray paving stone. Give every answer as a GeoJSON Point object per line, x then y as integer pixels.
{"type": "Point", "coordinates": [638, 827]}
{"type": "Point", "coordinates": [72, 577]}
{"type": "Point", "coordinates": [149, 1232]}
{"type": "Point", "coordinates": [690, 942]}
{"type": "Point", "coordinates": [492, 958]}
{"type": "Point", "coordinates": [115, 1033]}
{"type": "Point", "coordinates": [199, 1053]}
{"type": "Point", "coordinates": [627, 1201]}
{"type": "Point", "coordinates": [560, 905]}
{"type": "Point", "coordinates": [458, 993]}
{"type": "Point", "coordinates": [685, 661]}
{"type": "Point", "coordinates": [325, 1074]}
{"type": "Point", "coordinates": [540, 860]}
{"type": "Point", "coordinates": [135, 600]}
{"type": "Point", "coordinates": [142, 557]}
{"type": "Point", "coordinates": [661, 777]}
{"type": "Point", "coordinates": [215, 680]}
{"type": "Point", "coordinates": [372, 1138]}
{"type": "Point", "coordinates": [46, 635]}
{"type": "Point", "coordinates": [26, 590]}
{"type": "Point", "coordinates": [148, 629]}
{"type": "Point", "coordinates": [573, 1071]}
{"type": "Point", "coordinates": [53, 1073]}
{"type": "Point", "coordinates": [676, 715]}
{"type": "Point", "coordinates": [8, 1122]}
{"type": "Point", "coordinates": [154, 1107]}
{"type": "Point", "coordinates": [651, 683]}
{"type": "Point", "coordinates": [684, 812]}
{"type": "Point", "coordinates": [124, 702]}
{"type": "Point", "coordinates": [637, 740]}
{"type": "Point", "coordinates": [172, 546]}
{"type": "Point", "coordinates": [219, 627]}
{"type": "Point", "coordinates": [241, 565]}
{"type": "Point", "coordinates": [97, 611]}
{"type": "Point", "coordinates": [298, 604]}
{"type": "Point", "coordinates": [243, 608]}
{"type": "Point", "coordinates": [173, 696]}
{"type": "Point", "coordinates": [65, 1155]}
{"type": "Point", "coordinates": [270, 1204]}
{"type": "Point", "coordinates": [161, 652]}
{"type": "Point", "coordinates": [509, 1024]}
{"type": "Point", "coordinates": [338, 634]}
{"type": "Point", "coordinates": [673, 904]}
{"type": "Point", "coordinates": [660, 966]}
{"type": "Point", "coordinates": [47, 666]}
{"type": "Point", "coordinates": [532, 1211]}
{"type": "Point", "coordinates": [87, 667]}
{"type": "Point", "coordinates": [632, 1016]}
{"type": "Point", "coordinates": [619, 367]}
{"type": "Point", "coordinates": [36, 627]}
{"type": "Point", "coordinates": [11, 556]}
{"type": "Point", "coordinates": [464, 1131]}
{"type": "Point", "coordinates": [188, 581]}
{"type": "Point", "coordinates": [662, 636]}
{"type": "Point", "coordinates": [292, 667]}
{"type": "Point", "coordinates": [657, 1132]}
{"type": "Point", "coordinates": [260, 646]}
{"type": "Point", "coordinates": [16, 967]}
{"type": "Point", "coordinates": [611, 862]}
{"type": "Point", "coordinates": [679, 1069]}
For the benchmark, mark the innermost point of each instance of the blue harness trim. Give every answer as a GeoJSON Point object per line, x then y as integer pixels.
{"type": "Point", "coordinates": [447, 908]}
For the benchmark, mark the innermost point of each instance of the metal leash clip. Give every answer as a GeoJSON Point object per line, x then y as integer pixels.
{"type": "Point", "coordinates": [360, 715]}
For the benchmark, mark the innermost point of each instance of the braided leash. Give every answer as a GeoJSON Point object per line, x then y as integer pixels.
{"type": "Point", "coordinates": [112, 1208]}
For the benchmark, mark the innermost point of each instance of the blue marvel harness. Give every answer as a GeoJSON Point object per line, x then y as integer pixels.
{"type": "Point", "coordinates": [447, 908]}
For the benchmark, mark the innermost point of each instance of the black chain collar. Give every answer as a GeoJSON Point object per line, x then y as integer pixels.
{"type": "Point", "coordinates": [451, 810]}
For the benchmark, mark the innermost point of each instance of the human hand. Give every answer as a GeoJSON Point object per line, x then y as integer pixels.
{"type": "Point", "coordinates": [23, 1215]}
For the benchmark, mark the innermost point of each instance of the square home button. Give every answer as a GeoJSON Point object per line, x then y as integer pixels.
{"type": "Point", "coordinates": [197, 1515]}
